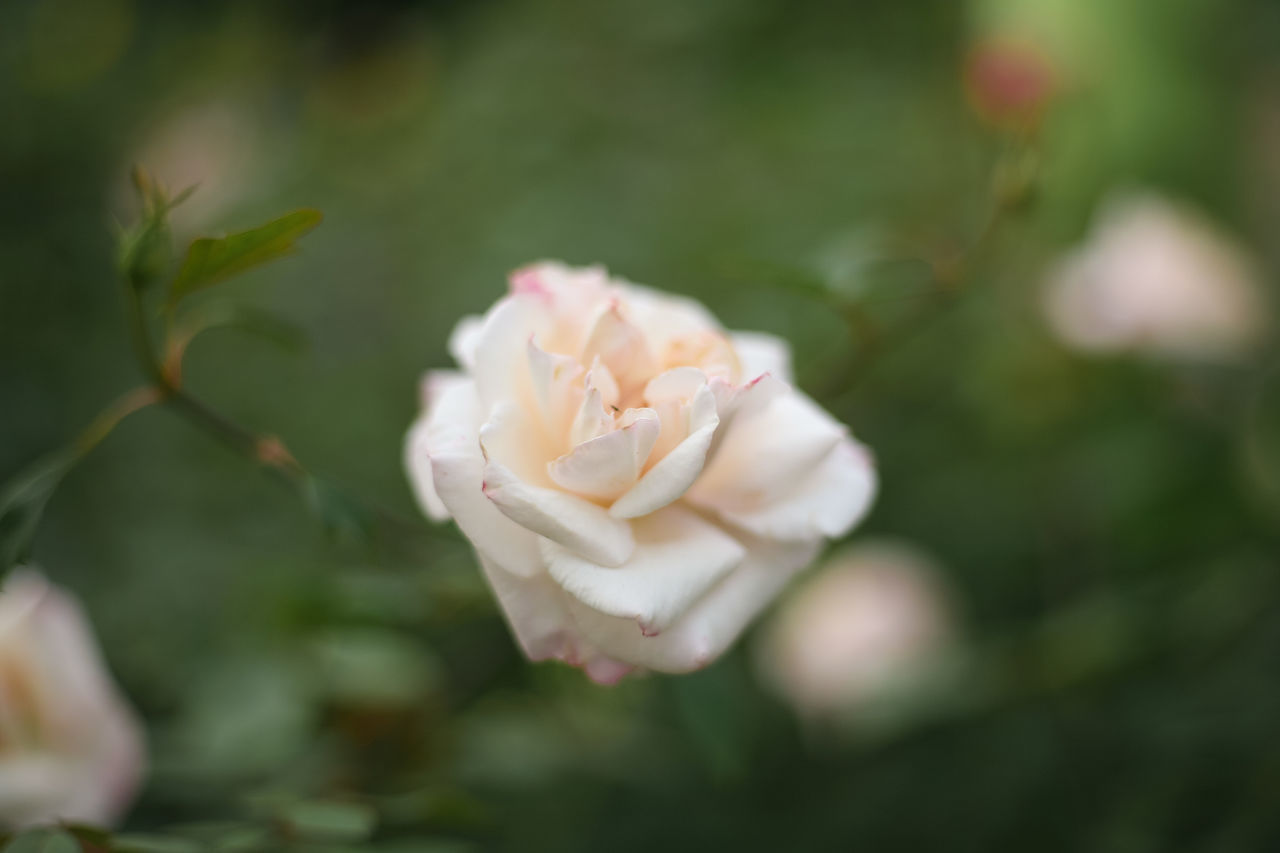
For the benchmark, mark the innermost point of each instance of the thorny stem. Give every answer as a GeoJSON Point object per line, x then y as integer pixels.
{"type": "Point", "coordinates": [265, 450]}
{"type": "Point", "coordinates": [950, 275]}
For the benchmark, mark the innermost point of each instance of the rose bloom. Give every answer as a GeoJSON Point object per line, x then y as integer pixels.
{"type": "Point", "coordinates": [70, 747]}
{"type": "Point", "coordinates": [869, 623]}
{"type": "Point", "coordinates": [1155, 278]}
{"type": "Point", "coordinates": [638, 483]}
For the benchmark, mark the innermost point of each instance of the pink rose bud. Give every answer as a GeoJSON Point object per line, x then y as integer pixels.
{"type": "Point", "coordinates": [1009, 83]}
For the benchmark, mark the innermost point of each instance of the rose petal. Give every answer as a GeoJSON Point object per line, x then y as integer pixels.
{"type": "Point", "coordinates": [760, 353]}
{"type": "Point", "coordinates": [678, 557]}
{"type": "Point", "coordinates": [444, 459]}
{"type": "Point", "coordinates": [534, 609]}
{"type": "Point", "coordinates": [673, 474]}
{"type": "Point", "coordinates": [621, 347]}
{"type": "Point", "coordinates": [606, 466]}
{"type": "Point", "coordinates": [577, 524]}
{"type": "Point", "coordinates": [501, 367]}
{"type": "Point", "coordinates": [713, 622]}
{"type": "Point", "coordinates": [556, 386]}
{"type": "Point", "coordinates": [828, 502]}
{"type": "Point", "coordinates": [464, 339]}
{"type": "Point", "coordinates": [765, 454]}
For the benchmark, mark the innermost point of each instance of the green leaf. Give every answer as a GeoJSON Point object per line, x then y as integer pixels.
{"type": "Point", "coordinates": [22, 504]}
{"type": "Point", "coordinates": [210, 260]}
{"type": "Point", "coordinates": [255, 321]}
{"type": "Point", "coordinates": [330, 820]}
{"type": "Point", "coordinates": [44, 840]}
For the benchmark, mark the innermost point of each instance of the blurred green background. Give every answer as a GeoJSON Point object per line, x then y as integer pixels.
{"type": "Point", "coordinates": [1109, 527]}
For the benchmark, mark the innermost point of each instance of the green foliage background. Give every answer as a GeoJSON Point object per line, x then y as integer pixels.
{"type": "Point", "coordinates": [1110, 526]}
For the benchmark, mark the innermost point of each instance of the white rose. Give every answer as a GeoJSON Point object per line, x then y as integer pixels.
{"type": "Point", "coordinates": [70, 748]}
{"type": "Point", "coordinates": [1154, 278]}
{"type": "Point", "coordinates": [638, 483]}
{"type": "Point", "coordinates": [869, 624]}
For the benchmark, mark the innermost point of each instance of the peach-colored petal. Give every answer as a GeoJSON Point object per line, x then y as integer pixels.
{"type": "Point", "coordinates": [671, 476]}
{"type": "Point", "coordinates": [604, 467]}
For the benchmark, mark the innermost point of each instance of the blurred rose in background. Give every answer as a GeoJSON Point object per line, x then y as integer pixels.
{"type": "Point", "coordinates": [70, 747]}
{"type": "Point", "coordinates": [871, 623]}
{"type": "Point", "coordinates": [1155, 277]}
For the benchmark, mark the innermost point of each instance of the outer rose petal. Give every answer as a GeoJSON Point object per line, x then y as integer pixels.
{"type": "Point", "coordinates": [834, 497]}
{"type": "Point", "coordinates": [578, 525]}
{"type": "Point", "coordinates": [444, 459]}
{"type": "Point", "coordinates": [678, 557]}
{"type": "Point", "coordinates": [464, 340]}
{"type": "Point", "coordinates": [501, 369]}
{"type": "Point", "coordinates": [534, 609]}
{"type": "Point", "coordinates": [766, 453]}
{"type": "Point", "coordinates": [712, 623]}
{"type": "Point", "coordinates": [761, 353]}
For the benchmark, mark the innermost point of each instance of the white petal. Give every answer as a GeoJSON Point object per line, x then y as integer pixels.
{"type": "Point", "coordinates": [672, 475]}
{"type": "Point", "coordinates": [417, 461]}
{"type": "Point", "coordinates": [711, 624]}
{"type": "Point", "coordinates": [761, 353]}
{"type": "Point", "coordinates": [556, 385]}
{"type": "Point", "coordinates": [764, 455]}
{"type": "Point", "coordinates": [834, 497]}
{"type": "Point", "coordinates": [678, 557]}
{"type": "Point", "coordinates": [740, 402]}
{"type": "Point", "coordinates": [577, 524]}
{"type": "Point", "coordinates": [446, 455]}
{"type": "Point", "coordinates": [464, 340]}
{"type": "Point", "coordinates": [501, 368]}
{"type": "Point", "coordinates": [535, 610]}
{"type": "Point", "coordinates": [606, 466]}
{"type": "Point", "coordinates": [517, 438]}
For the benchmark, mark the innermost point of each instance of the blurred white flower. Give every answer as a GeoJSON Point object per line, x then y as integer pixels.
{"type": "Point", "coordinates": [70, 747]}
{"type": "Point", "coordinates": [871, 622]}
{"type": "Point", "coordinates": [213, 146]}
{"type": "Point", "coordinates": [1153, 277]}
{"type": "Point", "coordinates": [637, 481]}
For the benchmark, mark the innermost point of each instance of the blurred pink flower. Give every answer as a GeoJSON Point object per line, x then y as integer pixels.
{"type": "Point", "coordinates": [1154, 277]}
{"type": "Point", "coordinates": [213, 146]}
{"type": "Point", "coordinates": [70, 747]}
{"type": "Point", "coordinates": [870, 621]}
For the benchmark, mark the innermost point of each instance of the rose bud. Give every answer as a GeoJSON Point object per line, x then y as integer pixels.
{"type": "Point", "coordinates": [638, 483]}
{"type": "Point", "coordinates": [70, 747]}
{"type": "Point", "coordinates": [1154, 278]}
{"type": "Point", "coordinates": [869, 625]}
{"type": "Point", "coordinates": [1009, 83]}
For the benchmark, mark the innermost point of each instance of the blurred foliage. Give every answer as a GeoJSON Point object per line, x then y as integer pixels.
{"type": "Point", "coordinates": [1111, 527]}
